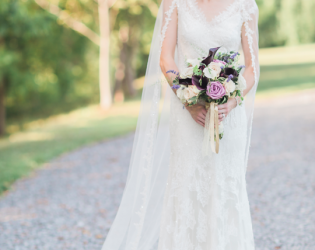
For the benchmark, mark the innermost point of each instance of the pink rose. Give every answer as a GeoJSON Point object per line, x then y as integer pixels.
{"type": "Point", "coordinates": [215, 90]}
{"type": "Point", "coordinates": [219, 61]}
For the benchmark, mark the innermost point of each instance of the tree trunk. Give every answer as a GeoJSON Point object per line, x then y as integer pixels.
{"type": "Point", "coordinates": [2, 109]}
{"type": "Point", "coordinates": [104, 82]}
{"type": "Point", "coordinates": [124, 73]}
{"type": "Point", "coordinates": [129, 71]}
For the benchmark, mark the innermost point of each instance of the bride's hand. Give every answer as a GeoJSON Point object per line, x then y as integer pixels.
{"type": "Point", "coordinates": [198, 113]}
{"type": "Point", "coordinates": [226, 108]}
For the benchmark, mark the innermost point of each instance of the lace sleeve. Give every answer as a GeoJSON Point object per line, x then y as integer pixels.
{"type": "Point", "coordinates": [251, 73]}
{"type": "Point", "coordinates": [250, 39]}
{"type": "Point", "coordinates": [169, 24]}
{"type": "Point", "coordinates": [168, 40]}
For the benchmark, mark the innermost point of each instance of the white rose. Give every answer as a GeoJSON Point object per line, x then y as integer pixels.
{"type": "Point", "coordinates": [194, 89]}
{"type": "Point", "coordinates": [212, 70]}
{"type": "Point", "coordinates": [216, 67]}
{"type": "Point", "coordinates": [189, 93]}
{"type": "Point", "coordinates": [241, 83]}
{"type": "Point", "coordinates": [209, 73]}
{"type": "Point", "coordinates": [219, 63]}
{"type": "Point", "coordinates": [229, 86]}
{"type": "Point", "coordinates": [180, 93]}
{"type": "Point", "coordinates": [194, 62]}
{"type": "Point", "coordinates": [186, 73]}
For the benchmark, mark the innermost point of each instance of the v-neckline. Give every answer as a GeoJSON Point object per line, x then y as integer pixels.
{"type": "Point", "coordinates": [216, 17]}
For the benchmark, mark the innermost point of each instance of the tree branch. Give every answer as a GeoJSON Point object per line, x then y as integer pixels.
{"type": "Point", "coordinates": [69, 21]}
{"type": "Point", "coordinates": [152, 6]}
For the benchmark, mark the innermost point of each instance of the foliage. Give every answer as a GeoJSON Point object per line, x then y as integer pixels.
{"type": "Point", "coordinates": [40, 61]}
{"type": "Point", "coordinates": [132, 30]}
{"type": "Point", "coordinates": [286, 22]}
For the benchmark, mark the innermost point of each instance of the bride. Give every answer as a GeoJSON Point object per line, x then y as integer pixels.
{"type": "Point", "coordinates": [175, 198]}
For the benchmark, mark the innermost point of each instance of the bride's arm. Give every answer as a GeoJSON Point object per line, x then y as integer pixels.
{"type": "Point", "coordinates": [167, 61]}
{"type": "Point", "coordinates": [250, 50]}
{"type": "Point", "coordinates": [249, 36]}
{"type": "Point", "coordinates": [168, 65]}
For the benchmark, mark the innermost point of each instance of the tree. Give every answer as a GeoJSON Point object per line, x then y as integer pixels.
{"type": "Point", "coordinates": [286, 22]}
{"type": "Point", "coordinates": [132, 27]}
{"type": "Point", "coordinates": [101, 40]}
{"type": "Point", "coordinates": [105, 92]}
{"type": "Point", "coordinates": [13, 23]}
{"type": "Point", "coordinates": [35, 70]}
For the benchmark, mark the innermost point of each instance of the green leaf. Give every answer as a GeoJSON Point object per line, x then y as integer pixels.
{"type": "Point", "coordinates": [221, 79]}
{"type": "Point", "coordinates": [197, 71]}
{"type": "Point", "coordinates": [201, 93]}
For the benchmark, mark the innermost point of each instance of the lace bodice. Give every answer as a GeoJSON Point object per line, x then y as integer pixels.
{"type": "Point", "coordinates": [196, 35]}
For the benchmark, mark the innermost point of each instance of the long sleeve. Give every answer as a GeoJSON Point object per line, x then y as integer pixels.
{"type": "Point", "coordinates": [250, 46]}
{"type": "Point", "coordinates": [169, 23]}
{"type": "Point", "coordinates": [251, 73]}
{"type": "Point", "coordinates": [169, 39]}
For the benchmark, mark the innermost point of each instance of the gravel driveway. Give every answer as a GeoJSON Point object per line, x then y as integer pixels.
{"type": "Point", "coordinates": [69, 204]}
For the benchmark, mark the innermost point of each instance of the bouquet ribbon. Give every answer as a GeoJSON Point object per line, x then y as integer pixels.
{"type": "Point", "coordinates": [211, 130]}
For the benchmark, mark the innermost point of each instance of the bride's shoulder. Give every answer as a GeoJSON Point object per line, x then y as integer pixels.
{"type": "Point", "coordinates": [250, 6]}
{"type": "Point", "coordinates": [249, 10]}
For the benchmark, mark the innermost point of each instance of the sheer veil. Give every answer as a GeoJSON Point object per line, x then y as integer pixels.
{"type": "Point", "coordinates": [137, 223]}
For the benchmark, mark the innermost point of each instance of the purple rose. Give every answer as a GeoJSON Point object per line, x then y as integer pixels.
{"type": "Point", "coordinates": [215, 90]}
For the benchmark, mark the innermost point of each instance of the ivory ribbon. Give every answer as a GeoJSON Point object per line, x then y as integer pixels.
{"type": "Point", "coordinates": [211, 130]}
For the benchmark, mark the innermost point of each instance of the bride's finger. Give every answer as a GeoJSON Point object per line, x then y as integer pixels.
{"type": "Point", "coordinates": [222, 111]}
{"type": "Point", "coordinates": [201, 119]}
{"type": "Point", "coordinates": [202, 115]}
{"type": "Point", "coordinates": [222, 106]}
{"type": "Point", "coordinates": [200, 123]}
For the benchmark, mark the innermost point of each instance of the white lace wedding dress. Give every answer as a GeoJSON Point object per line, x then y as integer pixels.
{"type": "Point", "coordinates": [205, 204]}
{"type": "Point", "coordinates": [176, 199]}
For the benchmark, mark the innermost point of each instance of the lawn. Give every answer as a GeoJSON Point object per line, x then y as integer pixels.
{"type": "Point", "coordinates": [280, 79]}
{"type": "Point", "coordinates": [42, 140]}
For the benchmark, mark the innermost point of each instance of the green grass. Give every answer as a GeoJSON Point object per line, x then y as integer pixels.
{"type": "Point", "coordinates": [299, 54]}
{"type": "Point", "coordinates": [294, 76]}
{"type": "Point", "coordinates": [284, 79]}
{"type": "Point", "coordinates": [43, 140]}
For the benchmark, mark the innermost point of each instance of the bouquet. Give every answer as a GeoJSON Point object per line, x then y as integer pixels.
{"type": "Point", "coordinates": [211, 80]}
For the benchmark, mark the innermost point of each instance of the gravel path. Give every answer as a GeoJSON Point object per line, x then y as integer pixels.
{"type": "Point", "coordinates": [70, 203]}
